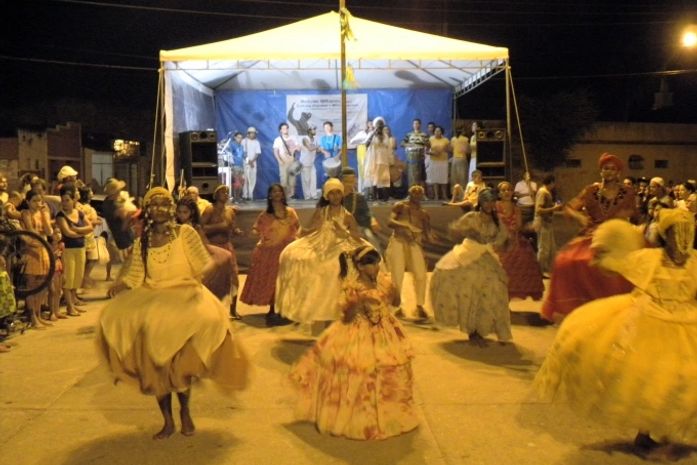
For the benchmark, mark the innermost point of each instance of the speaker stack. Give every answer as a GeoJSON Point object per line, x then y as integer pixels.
{"type": "Point", "coordinates": [198, 154]}
{"type": "Point", "coordinates": [491, 156]}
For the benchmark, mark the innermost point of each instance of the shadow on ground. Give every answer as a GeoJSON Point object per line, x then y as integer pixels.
{"type": "Point", "coordinates": [523, 318]}
{"type": "Point", "coordinates": [507, 356]}
{"type": "Point", "coordinates": [623, 452]}
{"type": "Point", "coordinates": [205, 447]}
{"type": "Point", "coordinates": [289, 351]}
{"type": "Point", "coordinates": [391, 450]}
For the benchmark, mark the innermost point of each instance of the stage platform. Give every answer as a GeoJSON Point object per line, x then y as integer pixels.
{"type": "Point", "coordinates": [441, 216]}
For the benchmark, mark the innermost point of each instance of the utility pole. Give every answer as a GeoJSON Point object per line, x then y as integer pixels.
{"type": "Point", "coordinates": [343, 25]}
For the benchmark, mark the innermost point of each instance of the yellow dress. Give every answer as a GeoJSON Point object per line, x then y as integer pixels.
{"type": "Point", "coordinates": [168, 329]}
{"type": "Point", "coordinates": [631, 360]}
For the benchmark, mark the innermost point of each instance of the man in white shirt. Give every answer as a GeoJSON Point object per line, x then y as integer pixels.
{"type": "Point", "coordinates": [252, 150]}
{"type": "Point", "coordinates": [284, 148]}
{"type": "Point", "coordinates": [308, 153]}
{"type": "Point", "coordinates": [525, 191]}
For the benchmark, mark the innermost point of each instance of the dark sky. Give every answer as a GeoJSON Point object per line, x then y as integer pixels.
{"type": "Point", "coordinates": [548, 42]}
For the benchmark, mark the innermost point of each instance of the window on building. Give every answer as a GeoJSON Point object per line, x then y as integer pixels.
{"type": "Point", "coordinates": [636, 162]}
{"type": "Point", "coordinates": [662, 164]}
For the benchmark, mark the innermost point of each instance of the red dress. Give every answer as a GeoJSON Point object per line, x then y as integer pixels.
{"type": "Point", "coordinates": [275, 234]}
{"type": "Point", "coordinates": [519, 259]}
{"type": "Point", "coordinates": [574, 280]}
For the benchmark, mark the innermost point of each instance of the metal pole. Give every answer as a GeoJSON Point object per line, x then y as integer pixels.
{"type": "Point", "coordinates": [509, 145]}
{"type": "Point", "coordinates": [342, 39]}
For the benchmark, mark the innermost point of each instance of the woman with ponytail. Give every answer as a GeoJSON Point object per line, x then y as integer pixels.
{"type": "Point", "coordinates": [356, 381]}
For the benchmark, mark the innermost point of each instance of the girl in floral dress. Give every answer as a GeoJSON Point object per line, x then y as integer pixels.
{"type": "Point", "coordinates": [357, 380]}
{"type": "Point", "coordinates": [518, 258]}
{"type": "Point", "coordinates": [277, 227]}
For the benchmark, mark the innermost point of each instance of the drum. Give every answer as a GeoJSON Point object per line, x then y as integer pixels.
{"type": "Point", "coordinates": [295, 168]}
{"type": "Point", "coordinates": [332, 166]}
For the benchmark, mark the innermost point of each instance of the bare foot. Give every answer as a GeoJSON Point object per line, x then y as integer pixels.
{"type": "Point", "coordinates": [45, 322]}
{"type": "Point", "coordinates": [5, 348]}
{"type": "Point", "coordinates": [188, 428]}
{"type": "Point", "coordinates": [109, 278]}
{"type": "Point", "coordinates": [477, 340]}
{"type": "Point", "coordinates": [166, 431]}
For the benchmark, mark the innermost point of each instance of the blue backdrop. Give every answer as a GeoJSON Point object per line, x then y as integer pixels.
{"type": "Point", "coordinates": [237, 110]}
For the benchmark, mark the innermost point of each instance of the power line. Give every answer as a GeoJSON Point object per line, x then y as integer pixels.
{"type": "Point", "coordinates": [76, 63]}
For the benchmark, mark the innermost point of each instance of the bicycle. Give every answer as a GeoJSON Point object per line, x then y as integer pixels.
{"type": "Point", "coordinates": [14, 244]}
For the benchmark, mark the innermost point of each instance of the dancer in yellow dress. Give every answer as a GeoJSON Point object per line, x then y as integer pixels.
{"type": "Point", "coordinates": [164, 329]}
{"type": "Point", "coordinates": [631, 360]}
{"type": "Point", "coordinates": [357, 380]}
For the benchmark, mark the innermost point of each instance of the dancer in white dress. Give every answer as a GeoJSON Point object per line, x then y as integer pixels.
{"type": "Point", "coordinates": [308, 284]}
{"type": "Point", "coordinates": [469, 287]}
{"type": "Point", "coordinates": [164, 329]}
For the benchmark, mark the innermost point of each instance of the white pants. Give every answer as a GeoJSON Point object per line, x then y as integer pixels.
{"type": "Point", "coordinates": [250, 181]}
{"type": "Point", "coordinates": [285, 179]}
{"type": "Point", "coordinates": [308, 176]}
{"type": "Point", "coordinates": [404, 256]}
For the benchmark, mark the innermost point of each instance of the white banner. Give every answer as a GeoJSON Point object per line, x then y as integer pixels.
{"type": "Point", "coordinates": [313, 110]}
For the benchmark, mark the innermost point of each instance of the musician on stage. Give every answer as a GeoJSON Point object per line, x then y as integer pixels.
{"type": "Point", "coordinates": [415, 144]}
{"type": "Point", "coordinates": [330, 146]}
{"type": "Point", "coordinates": [308, 154]}
{"type": "Point", "coordinates": [411, 225]}
{"type": "Point", "coordinates": [284, 149]}
{"type": "Point", "coordinates": [252, 150]}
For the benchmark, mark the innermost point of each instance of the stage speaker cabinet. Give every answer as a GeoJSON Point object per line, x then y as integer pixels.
{"type": "Point", "coordinates": [491, 157]}
{"type": "Point", "coordinates": [198, 157]}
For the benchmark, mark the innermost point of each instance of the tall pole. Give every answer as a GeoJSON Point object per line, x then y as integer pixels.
{"type": "Point", "coordinates": [342, 39]}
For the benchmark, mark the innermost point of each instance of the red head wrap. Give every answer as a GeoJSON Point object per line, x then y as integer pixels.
{"type": "Point", "coordinates": [610, 158]}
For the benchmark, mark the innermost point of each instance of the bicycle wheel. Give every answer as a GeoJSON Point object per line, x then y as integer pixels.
{"type": "Point", "coordinates": [14, 246]}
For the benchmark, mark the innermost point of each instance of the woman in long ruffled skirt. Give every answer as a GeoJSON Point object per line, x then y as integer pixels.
{"type": "Point", "coordinates": [163, 329]}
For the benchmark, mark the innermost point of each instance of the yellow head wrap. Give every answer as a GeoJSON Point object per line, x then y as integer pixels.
{"type": "Point", "coordinates": [684, 224]}
{"type": "Point", "coordinates": [332, 184]}
{"type": "Point", "coordinates": [156, 192]}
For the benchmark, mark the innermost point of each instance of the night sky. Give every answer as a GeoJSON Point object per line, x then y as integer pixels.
{"type": "Point", "coordinates": [609, 48]}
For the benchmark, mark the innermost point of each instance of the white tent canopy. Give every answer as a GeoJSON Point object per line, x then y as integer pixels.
{"type": "Point", "coordinates": [306, 55]}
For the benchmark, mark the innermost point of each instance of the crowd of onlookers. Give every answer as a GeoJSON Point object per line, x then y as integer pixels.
{"type": "Point", "coordinates": [61, 213]}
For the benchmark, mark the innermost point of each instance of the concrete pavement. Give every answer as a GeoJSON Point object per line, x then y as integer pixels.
{"type": "Point", "coordinates": [59, 406]}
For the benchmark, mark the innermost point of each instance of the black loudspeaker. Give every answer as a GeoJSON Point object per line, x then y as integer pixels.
{"type": "Point", "coordinates": [198, 156]}
{"type": "Point", "coordinates": [491, 156]}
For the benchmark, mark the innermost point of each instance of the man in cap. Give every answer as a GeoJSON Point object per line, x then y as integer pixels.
{"type": "Point", "coordinates": [308, 153]}
{"type": "Point", "coordinates": [252, 150]}
{"type": "Point", "coordinates": [284, 149]}
{"type": "Point", "coordinates": [201, 203]}
{"type": "Point", "coordinates": [66, 175]}
{"type": "Point", "coordinates": [117, 217]}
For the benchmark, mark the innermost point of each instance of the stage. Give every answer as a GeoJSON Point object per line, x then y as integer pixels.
{"type": "Point", "coordinates": [441, 216]}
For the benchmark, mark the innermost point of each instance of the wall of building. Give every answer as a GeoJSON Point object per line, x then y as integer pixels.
{"type": "Point", "coordinates": [667, 150]}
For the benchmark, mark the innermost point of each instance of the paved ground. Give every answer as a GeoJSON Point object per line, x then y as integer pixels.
{"type": "Point", "coordinates": [58, 406]}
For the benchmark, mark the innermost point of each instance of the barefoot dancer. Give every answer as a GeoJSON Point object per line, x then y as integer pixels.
{"type": "Point", "coordinates": [469, 287]}
{"type": "Point", "coordinates": [168, 330]}
{"type": "Point", "coordinates": [411, 225]}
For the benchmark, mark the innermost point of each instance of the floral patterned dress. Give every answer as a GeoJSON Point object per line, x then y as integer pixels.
{"type": "Point", "coordinates": [469, 287]}
{"type": "Point", "coordinates": [275, 234]}
{"type": "Point", "coordinates": [519, 259]}
{"type": "Point", "coordinates": [357, 380]}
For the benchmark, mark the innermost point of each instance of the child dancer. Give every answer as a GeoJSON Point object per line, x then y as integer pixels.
{"type": "Point", "coordinates": [356, 381]}
{"type": "Point", "coordinates": [55, 290]}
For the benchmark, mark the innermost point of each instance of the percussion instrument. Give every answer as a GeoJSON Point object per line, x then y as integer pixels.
{"type": "Point", "coordinates": [295, 168]}
{"type": "Point", "coordinates": [332, 166]}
